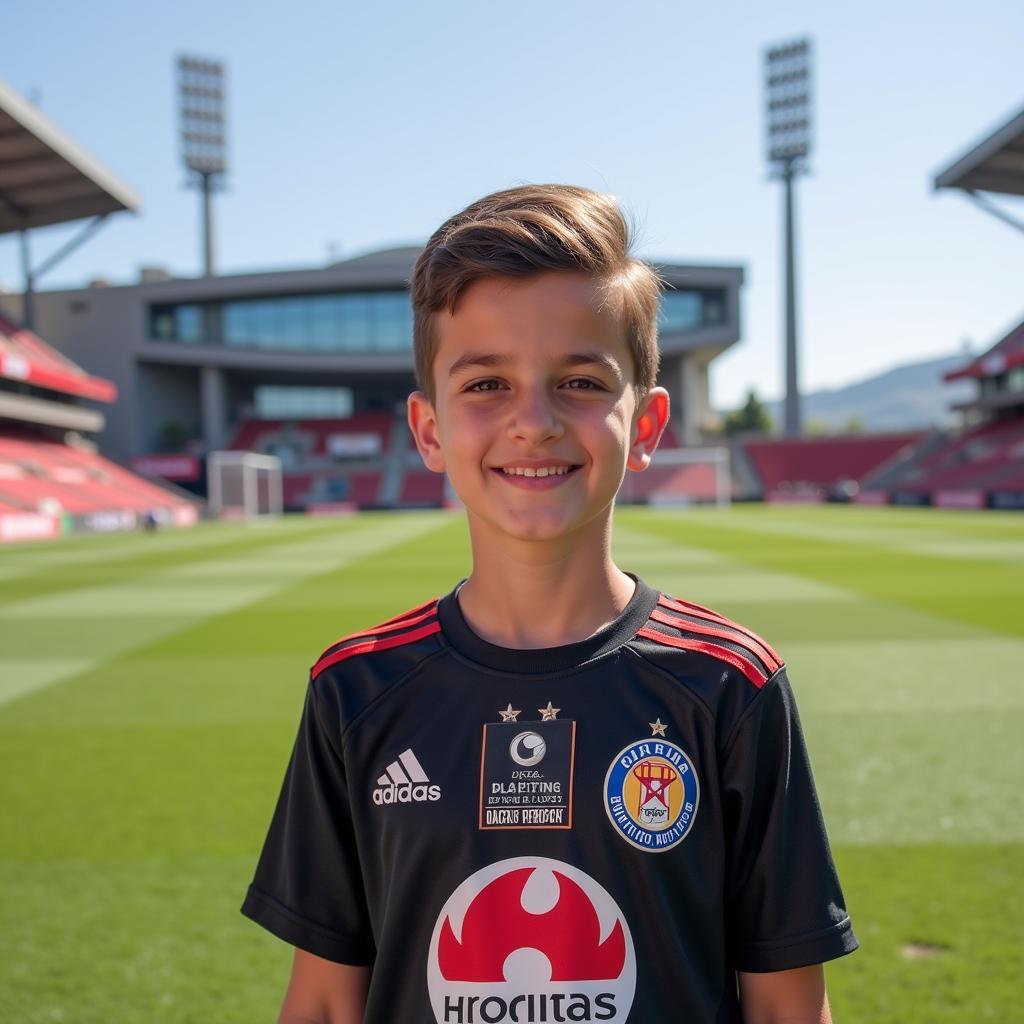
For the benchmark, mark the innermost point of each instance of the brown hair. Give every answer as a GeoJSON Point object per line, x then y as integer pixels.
{"type": "Point", "coordinates": [528, 230]}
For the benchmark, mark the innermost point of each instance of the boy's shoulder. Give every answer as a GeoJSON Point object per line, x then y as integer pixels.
{"type": "Point", "coordinates": [404, 628]}
{"type": "Point", "coordinates": [719, 659]}
{"type": "Point", "coordinates": [357, 668]}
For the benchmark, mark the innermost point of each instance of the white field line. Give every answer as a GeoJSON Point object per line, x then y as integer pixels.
{"type": "Point", "coordinates": [164, 594]}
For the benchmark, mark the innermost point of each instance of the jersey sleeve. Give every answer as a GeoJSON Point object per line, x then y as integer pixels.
{"type": "Point", "coordinates": [308, 887]}
{"type": "Point", "coordinates": [784, 905]}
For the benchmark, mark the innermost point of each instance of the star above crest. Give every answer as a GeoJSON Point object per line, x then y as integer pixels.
{"type": "Point", "coordinates": [657, 729]}
{"type": "Point", "coordinates": [548, 714]}
{"type": "Point", "coordinates": [510, 714]}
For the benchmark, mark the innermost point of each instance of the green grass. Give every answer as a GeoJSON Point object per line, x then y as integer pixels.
{"type": "Point", "coordinates": [150, 689]}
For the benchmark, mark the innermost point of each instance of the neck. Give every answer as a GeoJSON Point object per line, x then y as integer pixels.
{"type": "Point", "coordinates": [532, 594]}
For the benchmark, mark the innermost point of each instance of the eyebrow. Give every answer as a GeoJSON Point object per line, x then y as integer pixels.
{"type": "Point", "coordinates": [489, 360]}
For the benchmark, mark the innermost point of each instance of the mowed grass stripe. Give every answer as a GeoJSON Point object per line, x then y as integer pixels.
{"type": "Point", "coordinates": [125, 615]}
{"type": "Point", "coordinates": [889, 696]}
{"type": "Point", "coordinates": [195, 747]}
{"type": "Point", "coordinates": [932, 541]}
{"type": "Point", "coordinates": [83, 564]}
{"type": "Point", "coordinates": [983, 593]}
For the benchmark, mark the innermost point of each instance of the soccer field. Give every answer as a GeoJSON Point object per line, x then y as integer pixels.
{"type": "Point", "coordinates": [150, 687]}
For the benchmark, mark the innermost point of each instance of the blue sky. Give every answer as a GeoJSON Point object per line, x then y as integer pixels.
{"type": "Point", "coordinates": [354, 127]}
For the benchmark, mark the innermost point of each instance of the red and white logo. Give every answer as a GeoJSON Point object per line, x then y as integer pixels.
{"type": "Point", "coordinates": [530, 940]}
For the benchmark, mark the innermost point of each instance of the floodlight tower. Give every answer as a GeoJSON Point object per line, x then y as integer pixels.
{"type": "Point", "coordinates": [788, 108]}
{"type": "Point", "coordinates": [203, 149]}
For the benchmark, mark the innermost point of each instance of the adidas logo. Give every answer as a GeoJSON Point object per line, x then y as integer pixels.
{"type": "Point", "coordinates": [404, 782]}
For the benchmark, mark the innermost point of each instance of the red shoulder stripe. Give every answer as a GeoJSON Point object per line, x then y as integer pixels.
{"type": "Point", "coordinates": [403, 621]}
{"type": "Point", "coordinates": [411, 612]}
{"type": "Point", "coordinates": [382, 644]}
{"type": "Point", "coordinates": [722, 632]}
{"type": "Point", "coordinates": [748, 668]}
{"type": "Point", "coordinates": [689, 608]}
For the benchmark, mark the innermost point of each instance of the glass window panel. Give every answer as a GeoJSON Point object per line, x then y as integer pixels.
{"type": "Point", "coordinates": [287, 402]}
{"type": "Point", "coordinates": [356, 323]}
{"type": "Point", "coordinates": [294, 322]}
{"type": "Point", "coordinates": [393, 321]}
{"type": "Point", "coordinates": [713, 307]}
{"type": "Point", "coordinates": [264, 325]}
{"type": "Point", "coordinates": [189, 324]}
{"type": "Point", "coordinates": [161, 319]}
{"type": "Point", "coordinates": [235, 324]}
{"type": "Point", "coordinates": [347, 322]}
{"type": "Point", "coordinates": [680, 311]}
{"type": "Point", "coordinates": [323, 334]}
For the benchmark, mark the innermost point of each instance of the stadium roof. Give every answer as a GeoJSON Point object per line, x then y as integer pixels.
{"type": "Point", "coordinates": [1004, 355]}
{"type": "Point", "coordinates": [996, 164]}
{"type": "Point", "coordinates": [45, 178]}
{"type": "Point", "coordinates": [25, 357]}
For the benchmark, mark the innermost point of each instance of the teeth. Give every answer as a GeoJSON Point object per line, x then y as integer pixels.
{"type": "Point", "coordinates": [542, 471]}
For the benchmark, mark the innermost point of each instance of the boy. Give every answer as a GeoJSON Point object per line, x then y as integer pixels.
{"type": "Point", "coordinates": [553, 794]}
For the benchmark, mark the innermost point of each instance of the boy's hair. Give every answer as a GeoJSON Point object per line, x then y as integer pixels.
{"type": "Point", "coordinates": [524, 231]}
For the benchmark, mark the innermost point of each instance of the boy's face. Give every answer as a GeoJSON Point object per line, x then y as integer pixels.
{"type": "Point", "coordinates": [533, 377]}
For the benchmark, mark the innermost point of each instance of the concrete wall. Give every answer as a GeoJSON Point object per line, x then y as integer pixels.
{"type": "Point", "coordinates": [169, 394]}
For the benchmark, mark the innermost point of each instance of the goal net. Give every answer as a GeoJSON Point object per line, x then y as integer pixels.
{"type": "Point", "coordinates": [244, 485]}
{"type": "Point", "coordinates": [681, 476]}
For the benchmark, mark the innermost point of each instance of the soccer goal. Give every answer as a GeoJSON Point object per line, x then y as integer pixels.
{"type": "Point", "coordinates": [244, 485]}
{"type": "Point", "coordinates": [681, 476]}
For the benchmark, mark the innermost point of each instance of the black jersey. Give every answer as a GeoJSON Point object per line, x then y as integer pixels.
{"type": "Point", "coordinates": [603, 831]}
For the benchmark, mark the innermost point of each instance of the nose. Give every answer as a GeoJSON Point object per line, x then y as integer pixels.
{"type": "Point", "coordinates": [534, 418]}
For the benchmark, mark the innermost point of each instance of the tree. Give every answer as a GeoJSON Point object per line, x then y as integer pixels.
{"type": "Point", "coordinates": [750, 417]}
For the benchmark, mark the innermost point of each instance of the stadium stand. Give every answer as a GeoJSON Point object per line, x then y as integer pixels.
{"type": "Point", "coordinates": [49, 486]}
{"type": "Point", "coordinates": [816, 468]}
{"type": "Point", "coordinates": [42, 475]}
{"type": "Point", "coordinates": [422, 488]}
{"type": "Point", "coordinates": [982, 465]}
{"type": "Point", "coordinates": [329, 462]}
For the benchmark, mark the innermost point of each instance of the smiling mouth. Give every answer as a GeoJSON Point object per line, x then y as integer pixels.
{"type": "Point", "coordinates": [539, 471]}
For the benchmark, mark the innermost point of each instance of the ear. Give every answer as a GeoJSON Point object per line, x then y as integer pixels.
{"type": "Point", "coordinates": [649, 425]}
{"type": "Point", "coordinates": [423, 425]}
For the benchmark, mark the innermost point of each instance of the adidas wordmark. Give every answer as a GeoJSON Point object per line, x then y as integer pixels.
{"type": "Point", "coordinates": [404, 782]}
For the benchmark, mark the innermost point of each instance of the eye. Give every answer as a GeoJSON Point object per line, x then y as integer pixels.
{"type": "Point", "coordinates": [583, 384]}
{"type": "Point", "coordinates": [479, 386]}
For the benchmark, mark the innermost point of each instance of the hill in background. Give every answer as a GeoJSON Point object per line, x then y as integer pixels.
{"type": "Point", "coordinates": [908, 397]}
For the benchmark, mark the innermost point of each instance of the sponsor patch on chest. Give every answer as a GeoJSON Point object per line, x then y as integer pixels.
{"type": "Point", "coordinates": [531, 940]}
{"type": "Point", "coordinates": [526, 774]}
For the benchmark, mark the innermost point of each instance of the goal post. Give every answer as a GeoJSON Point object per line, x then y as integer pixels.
{"type": "Point", "coordinates": [682, 476]}
{"type": "Point", "coordinates": [244, 485]}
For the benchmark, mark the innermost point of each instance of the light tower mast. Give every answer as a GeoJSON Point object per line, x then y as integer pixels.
{"type": "Point", "coordinates": [788, 109]}
{"type": "Point", "coordinates": [203, 149]}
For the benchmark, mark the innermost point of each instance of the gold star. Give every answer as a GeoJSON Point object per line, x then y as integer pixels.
{"type": "Point", "coordinates": [657, 729]}
{"type": "Point", "coordinates": [549, 713]}
{"type": "Point", "coordinates": [510, 714]}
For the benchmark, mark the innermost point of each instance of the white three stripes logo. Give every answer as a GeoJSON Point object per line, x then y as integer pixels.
{"type": "Point", "coordinates": [395, 775]}
{"type": "Point", "coordinates": [404, 781]}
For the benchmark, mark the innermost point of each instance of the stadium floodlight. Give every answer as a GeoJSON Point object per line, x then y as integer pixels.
{"type": "Point", "coordinates": [788, 112]}
{"type": "Point", "coordinates": [203, 147]}
{"type": "Point", "coordinates": [244, 485]}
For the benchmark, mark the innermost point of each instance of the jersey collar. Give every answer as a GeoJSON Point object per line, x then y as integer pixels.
{"type": "Point", "coordinates": [461, 637]}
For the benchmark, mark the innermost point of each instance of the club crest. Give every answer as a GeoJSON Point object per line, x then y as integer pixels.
{"type": "Point", "coordinates": [651, 793]}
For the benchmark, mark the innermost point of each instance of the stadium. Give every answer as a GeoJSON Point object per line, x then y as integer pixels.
{"type": "Point", "coordinates": [312, 367]}
{"type": "Point", "coordinates": [150, 681]}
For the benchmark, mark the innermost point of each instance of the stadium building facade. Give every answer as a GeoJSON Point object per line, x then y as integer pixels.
{"type": "Point", "coordinates": [194, 359]}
